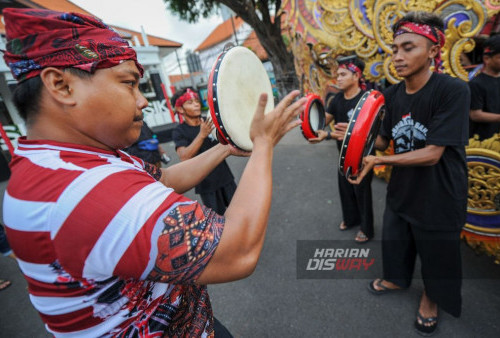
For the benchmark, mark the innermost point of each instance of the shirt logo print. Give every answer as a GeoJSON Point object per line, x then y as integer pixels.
{"type": "Point", "coordinates": [408, 135]}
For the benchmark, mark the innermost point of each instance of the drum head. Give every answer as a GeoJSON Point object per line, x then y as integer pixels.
{"type": "Point", "coordinates": [236, 82]}
{"type": "Point", "coordinates": [361, 132]}
{"type": "Point", "coordinates": [313, 116]}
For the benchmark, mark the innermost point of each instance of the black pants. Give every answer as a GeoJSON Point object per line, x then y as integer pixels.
{"type": "Point", "coordinates": [356, 201]}
{"type": "Point", "coordinates": [220, 331]}
{"type": "Point", "coordinates": [219, 199]}
{"type": "Point", "coordinates": [439, 253]}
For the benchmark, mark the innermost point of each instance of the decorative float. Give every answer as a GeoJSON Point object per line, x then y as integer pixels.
{"type": "Point", "coordinates": [320, 32]}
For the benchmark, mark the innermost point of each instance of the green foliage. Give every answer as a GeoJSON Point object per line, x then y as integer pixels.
{"type": "Point", "coordinates": [191, 10]}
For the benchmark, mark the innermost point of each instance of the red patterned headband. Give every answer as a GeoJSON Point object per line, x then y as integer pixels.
{"type": "Point", "coordinates": [356, 70]}
{"type": "Point", "coordinates": [39, 38]}
{"type": "Point", "coordinates": [188, 95]}
{"type": "Point", "coordinates": [431, 33]}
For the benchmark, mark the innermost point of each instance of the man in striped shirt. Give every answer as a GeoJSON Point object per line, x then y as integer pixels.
{"type": "Point", "coordinates": [106, 242]}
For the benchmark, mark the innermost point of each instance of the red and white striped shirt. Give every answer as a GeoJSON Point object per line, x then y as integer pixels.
{"type": "Point", "coordinates": [106, 249]}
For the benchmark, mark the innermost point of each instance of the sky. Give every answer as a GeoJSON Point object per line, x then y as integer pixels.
{"type": "Point", "coordinates": [156, 19]}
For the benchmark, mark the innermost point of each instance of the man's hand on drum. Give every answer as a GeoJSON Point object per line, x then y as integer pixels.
{"type": "Point", "coordinates": [322, 134]}
{"type": "Point", "coordinates": [368, 163]}
{"type": "Point", "coordinates": [273, 126]}
{"type": "Point", "coordinates": [237, 152]}
{"type": "Point", "coordinates": [339, 132]}
{"type": "Point", "coordinates": [206, 127]}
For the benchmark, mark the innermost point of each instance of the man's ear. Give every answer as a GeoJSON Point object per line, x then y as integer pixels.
{"type": "Point", "coordinates": [57, 84]}
{"type": "Point", "coordinates": [433, 51]}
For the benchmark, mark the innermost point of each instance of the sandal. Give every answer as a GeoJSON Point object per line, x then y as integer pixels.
{"type": "Point", "coordinates": [383, 289]}
{"type": "Point", "coordinates": [343, 227]}
{"type": "Point", "coordinates": [426, 330]}
{"type": "Point", "coordinates": [361, 237]}
{"type": "Point", "coordinates": [4, 284]}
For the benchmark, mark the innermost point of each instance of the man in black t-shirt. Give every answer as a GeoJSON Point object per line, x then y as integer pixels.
{"type": "Point", "coordinates": [356, 200]}
{"type": "Point", "coordinates": [192, 137]}
{"type": "Point", "coordinates": [427, 118]}
{"type": "Point", "coordinates": [485, 93]}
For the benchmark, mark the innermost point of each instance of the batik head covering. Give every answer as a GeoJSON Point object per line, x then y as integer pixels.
{"type": "Point", "coordinates": [350, 66]}
{"type": "Point", "coordinates": [188, 95]}
{"type": "Point", "coordinates": [432, 33]}
{"type": "Point", "coordinates": [39, 38]}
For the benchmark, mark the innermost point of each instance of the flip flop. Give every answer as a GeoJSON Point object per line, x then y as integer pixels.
{"type": "Point", "coordinates": [383, 289]}
{"type": "Point", "coordinates": [4, 284]}
{"type": "Point", "coordinates": [361, 237]}
{"type": "Point", "coordinates": [424, 330]}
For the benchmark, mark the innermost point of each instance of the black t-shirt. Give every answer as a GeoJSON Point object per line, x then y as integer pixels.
{"type": "Point", "coordinates": [485, 95]}
{"type": "Point", "coordinates": [432, 197]}
{"type": "Point", "coordinates": [183, 135]}
{"type": "Point", "coordinates": [342, 109]}
{"type": "Point", "coordinates": [151, 156]}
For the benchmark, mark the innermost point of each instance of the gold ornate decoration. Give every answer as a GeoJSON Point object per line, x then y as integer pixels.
{"type": "Point", "coordinates": [364, 28]}
{"type": "Point", "coordinates": [321, 31]}
{"type": "Point", "coordinates": [482, 230]}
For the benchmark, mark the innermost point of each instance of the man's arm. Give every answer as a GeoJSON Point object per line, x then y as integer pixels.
{"type": "Point", "coordinates": [185, 153]}
{"type": "Point", "coordinates": [185, 175]}
{"type": "Point", "coordinates": [247, 215]}
{"type": "Point", "coordinates": [328, 118]}
{"type": "Point", "coordinates": [381, 143]}
{"type": "Point", "coordinates": [477, 115]}
{"type": "Point", "coordinates": [427, 156]}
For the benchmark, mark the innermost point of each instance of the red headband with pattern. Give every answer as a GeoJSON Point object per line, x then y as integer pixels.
{"type": "Point", "coordinates": [431, 33]}
{"type": "Point", "coordinates": [356, 70]}
{"type": "Point", "coordinates": [39, 38]}
{"type": "Point", "coordinates": [188, 95]}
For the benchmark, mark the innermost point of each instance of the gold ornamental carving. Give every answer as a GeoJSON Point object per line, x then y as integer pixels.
{"type": "Point", "coordinates": [364, 28]}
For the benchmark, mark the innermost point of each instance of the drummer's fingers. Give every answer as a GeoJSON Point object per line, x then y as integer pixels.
{"type": "Point", "coordinates": [261, 106]}
{"type": "Point", "coordinates": [287, 100]}
{"type": "Point", "coordinates": [295, 109]}
{"type": "Point", "coordinates": [292, 125]}
{"type": "Point", "coordinates": [357, 179]}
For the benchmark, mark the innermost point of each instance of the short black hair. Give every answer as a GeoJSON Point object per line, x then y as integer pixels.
{"type": "Point", "coordinates": [355, 60]}
{"type": "Point", "coordinates": [492, 45]}
{"type": "Point", "coordinates": [423, 18]}
{"type": "Point", "coordinates": [27, 93]}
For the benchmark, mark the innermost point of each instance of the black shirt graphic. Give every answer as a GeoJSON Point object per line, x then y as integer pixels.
{"type": "Point", "coordinates": [342, 109]}
{"type": "Point", "coordinates": [485, 95]}
{"type": "Point", "coordinates": [183, 135]}
{"type": "Point", "coordinates": [432, 197]}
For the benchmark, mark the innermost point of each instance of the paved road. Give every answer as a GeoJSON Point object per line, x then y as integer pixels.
{"type": "Point", "coordinates": [273, 302]}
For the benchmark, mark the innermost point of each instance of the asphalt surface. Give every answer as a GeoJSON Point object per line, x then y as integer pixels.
{"type": "Point", "coordinates": [273, 302]}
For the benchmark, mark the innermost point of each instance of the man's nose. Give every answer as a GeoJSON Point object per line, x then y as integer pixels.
{"type": "Point", "coordinates": [142, 102]}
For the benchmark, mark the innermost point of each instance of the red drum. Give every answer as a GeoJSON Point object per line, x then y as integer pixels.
{"type": "Point", "coordinates": [236, 81]}
{"type": "Point", "coordinates": [361, 132]}
{"type": "Point", "coordinates": [313, 117]}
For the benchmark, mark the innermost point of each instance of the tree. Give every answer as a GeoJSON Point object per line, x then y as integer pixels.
{"type": "Point", "coordinates": [261, 16]}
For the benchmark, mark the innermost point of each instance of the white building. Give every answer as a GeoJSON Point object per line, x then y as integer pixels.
{"type": "Point", "coordinates": [151, 50]}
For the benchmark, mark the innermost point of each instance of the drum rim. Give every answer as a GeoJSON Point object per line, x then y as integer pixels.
{"type": "Point", "coordinates": [213, 104]}
{"type": "Point", "coordinates": [362, 132]}
{"type": "Point", "coordinates": [305, 126]}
